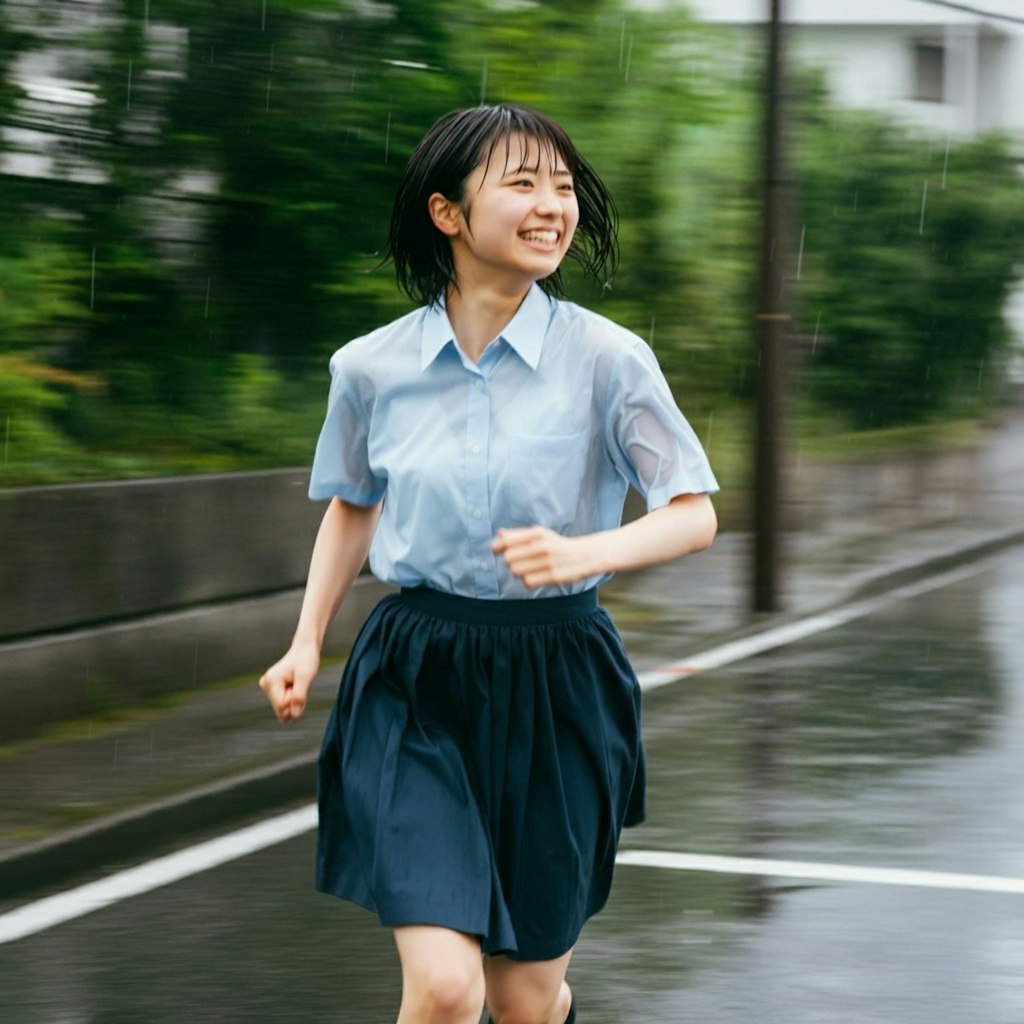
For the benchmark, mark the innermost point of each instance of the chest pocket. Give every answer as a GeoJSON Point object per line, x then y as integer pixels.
{"type": "Point", "coordinates": [545, 476]}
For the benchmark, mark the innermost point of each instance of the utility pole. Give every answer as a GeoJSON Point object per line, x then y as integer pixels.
{"type": "Point", "coordinates": [772, 323]}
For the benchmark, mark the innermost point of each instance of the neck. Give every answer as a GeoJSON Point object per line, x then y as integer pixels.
{"type": "Point", "coordinates": [478, 316]}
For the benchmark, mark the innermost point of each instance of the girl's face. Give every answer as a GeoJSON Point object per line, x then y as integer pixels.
{"type": "Point", "coordinates": [515, 221]}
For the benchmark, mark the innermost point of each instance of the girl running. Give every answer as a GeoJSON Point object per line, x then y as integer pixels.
{"type": "Point", "coordinates": [484, 751]}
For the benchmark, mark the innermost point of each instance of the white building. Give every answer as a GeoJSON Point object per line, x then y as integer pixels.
{"type": "Point", "coordinates": [930, 62]}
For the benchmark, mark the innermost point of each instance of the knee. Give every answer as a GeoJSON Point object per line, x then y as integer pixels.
{"type": "Point", "coordinates": [452, 992]}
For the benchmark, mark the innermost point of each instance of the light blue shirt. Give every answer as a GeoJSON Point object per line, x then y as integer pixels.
{"type": "Point", "coordinates": [560, 414]}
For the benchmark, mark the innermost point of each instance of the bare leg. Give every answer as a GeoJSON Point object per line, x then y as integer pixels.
{"type": "Point", "coordinates": [442, 976]}
{"type": "Point", "coordinates": [527, 992]}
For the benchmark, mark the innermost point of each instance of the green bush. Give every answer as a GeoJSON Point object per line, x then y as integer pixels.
{"type": "Point", "coordinates": [910, 251]}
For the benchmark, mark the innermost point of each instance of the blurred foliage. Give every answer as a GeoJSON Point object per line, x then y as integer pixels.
{"type": "Point", "coordinates": [193, 198]}
{"type": "Point", "coordinates": [910, 252]}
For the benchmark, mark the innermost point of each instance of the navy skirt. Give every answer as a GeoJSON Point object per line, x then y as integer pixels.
{"type": "Point", "coordinates": [480, 762]}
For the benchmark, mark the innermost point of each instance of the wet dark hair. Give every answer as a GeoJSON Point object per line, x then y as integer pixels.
{"type": "Point", "coordinates": [447, 155]}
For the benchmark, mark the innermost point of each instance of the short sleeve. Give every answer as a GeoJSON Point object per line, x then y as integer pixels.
{"type": "Point", "coordinates": [648, 438]}
{"type": "Point", "coordinates": [341, 465]}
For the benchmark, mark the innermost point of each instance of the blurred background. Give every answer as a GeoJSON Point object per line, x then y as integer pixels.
{"type": "Point", "coordinates": [193, 201]}
{"type": "Point", "coordinates": [193, 197]}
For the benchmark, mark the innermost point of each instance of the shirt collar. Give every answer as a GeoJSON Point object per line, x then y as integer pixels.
{"type": "Point", "coordinates": [524, 332]}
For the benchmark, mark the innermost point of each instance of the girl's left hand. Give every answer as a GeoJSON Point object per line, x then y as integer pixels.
{"type": "Point", "coordinates": [539, 556]}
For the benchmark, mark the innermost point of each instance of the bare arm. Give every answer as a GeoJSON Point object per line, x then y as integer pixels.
{"type": "Point", "coordinates": [342, 543]}
{"type": "Point", "coordinates": [540, 556]}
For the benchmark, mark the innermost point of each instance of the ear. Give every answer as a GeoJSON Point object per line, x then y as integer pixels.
{"type": "Point", "coordinates": [446, 214]}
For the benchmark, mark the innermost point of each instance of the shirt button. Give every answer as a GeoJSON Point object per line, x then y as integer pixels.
{"type": "Point", "coordinates": [477, 513]}
{"type": "Point", "coordinates": [483, 567]}
{"type": "Point", "coordinates": [479, 385]}
{"type": "Point", "coordinates": [476, 449]}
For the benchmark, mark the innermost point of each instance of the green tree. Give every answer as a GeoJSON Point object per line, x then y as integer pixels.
{"type": "Point", "coordinates": [213, 199]}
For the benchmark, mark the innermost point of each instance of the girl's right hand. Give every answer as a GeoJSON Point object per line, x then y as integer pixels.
{"type": "Point", "coordinates": [286, 683]}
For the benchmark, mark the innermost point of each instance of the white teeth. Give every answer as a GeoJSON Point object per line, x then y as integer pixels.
{"type": "Point", "coordinates": [541, 236]}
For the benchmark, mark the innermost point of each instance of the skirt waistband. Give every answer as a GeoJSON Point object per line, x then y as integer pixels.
{"type": "Point", "coordinates": [476, 611]}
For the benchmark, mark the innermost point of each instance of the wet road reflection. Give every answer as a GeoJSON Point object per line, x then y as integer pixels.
{"type": "Point", "coordinates": [894, 741]}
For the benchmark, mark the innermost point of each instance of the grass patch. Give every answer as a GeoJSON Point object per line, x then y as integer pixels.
{"type": "Point", "coordinates": [938, 436]}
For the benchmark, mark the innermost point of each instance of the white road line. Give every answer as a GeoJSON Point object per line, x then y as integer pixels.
{"type": "Point", "coordinates": [66, 906]}
{"type": "Point", "coordinates": [791, 632]}
{"type": "Point", "coordinates": [819, 872]}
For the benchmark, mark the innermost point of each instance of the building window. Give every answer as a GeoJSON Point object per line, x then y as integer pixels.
{"type": "Point", "coordinates": [930, 72]}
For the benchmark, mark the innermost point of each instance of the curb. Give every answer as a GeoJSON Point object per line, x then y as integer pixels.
{"type": "Point", "coordinates": [951, 558]}
{"type": "Point", "coordinates": [868, 584]}
{"type": "Point", "coordinates": [160, 826]}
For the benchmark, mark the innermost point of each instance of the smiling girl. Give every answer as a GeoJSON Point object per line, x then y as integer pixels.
{"type": "Point", "coordinates": [484, 751]}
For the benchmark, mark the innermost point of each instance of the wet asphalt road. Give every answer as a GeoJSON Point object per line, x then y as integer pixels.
{"type": "Point", "coordinates": [894, 741]}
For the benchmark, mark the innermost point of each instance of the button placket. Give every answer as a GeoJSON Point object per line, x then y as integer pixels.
{"type": "Point", "coordinates": [478, 518]}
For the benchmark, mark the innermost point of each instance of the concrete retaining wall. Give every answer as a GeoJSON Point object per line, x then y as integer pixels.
{"type": "Point", "coordinates": [68, 675]}
{"type": "Point", "coordinates": [95, 553]}
{"type": "Point", "coordinates": [893, 491]}
{"type": "Point", "coordinates": [116, 593]}
{"type": "Point", "coordinates": [112, 594]}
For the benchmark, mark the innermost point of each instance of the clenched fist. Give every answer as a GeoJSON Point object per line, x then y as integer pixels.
{"type": "Point", "coordinates": [286, 683]}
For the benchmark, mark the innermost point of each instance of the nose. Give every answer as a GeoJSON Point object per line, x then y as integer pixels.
{"type": "Point", "coordinates": [546, 200]}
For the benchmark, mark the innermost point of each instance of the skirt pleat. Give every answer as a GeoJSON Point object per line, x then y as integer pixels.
{"type": "Point", "coordinates": [478, 767]}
